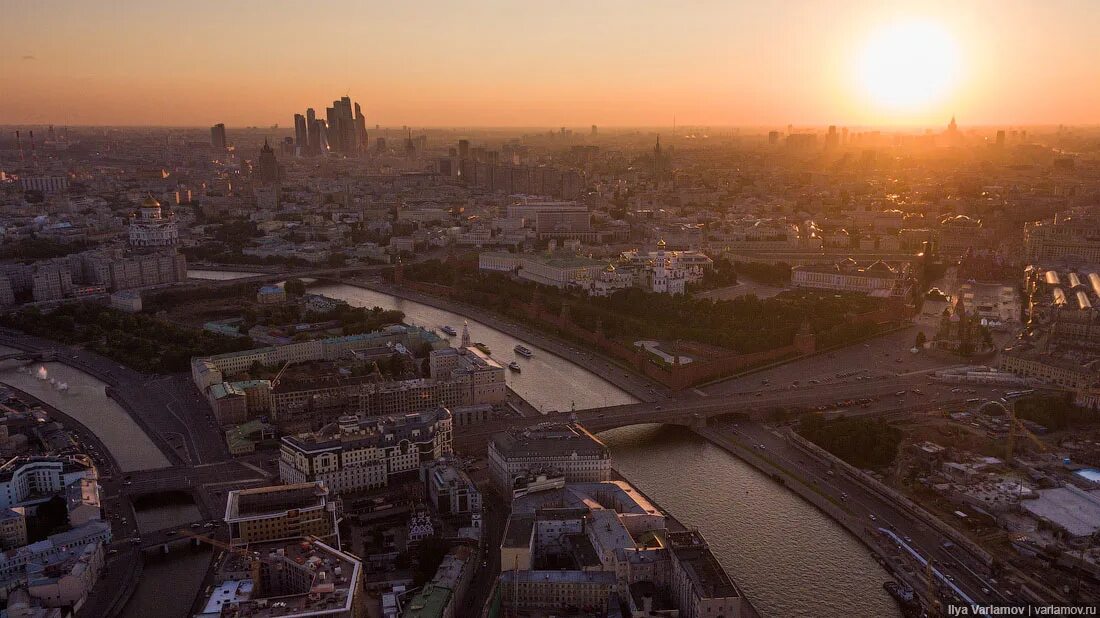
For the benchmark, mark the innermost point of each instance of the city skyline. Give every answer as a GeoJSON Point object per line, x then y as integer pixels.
{"type": "Point", "coordinates": [497, 65]}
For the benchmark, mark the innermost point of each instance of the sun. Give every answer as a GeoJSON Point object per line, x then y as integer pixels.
{"type": "Point", "coordinates": [909, 65]}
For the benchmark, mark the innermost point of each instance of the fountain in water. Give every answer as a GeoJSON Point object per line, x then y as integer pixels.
{"type": "Point", "coordinates": [42, 374]}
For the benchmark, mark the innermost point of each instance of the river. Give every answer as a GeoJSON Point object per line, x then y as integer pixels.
{"type": "Point", "coordinates": [548, 382]}
{"type": "Point", "coordinates": [86, 401]}
{"type": "Point", "coordinates": [789, 558]}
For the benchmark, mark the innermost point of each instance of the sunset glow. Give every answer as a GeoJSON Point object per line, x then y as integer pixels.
{"type": "Point", "coordinates": [502, 63]}
{"type": "Point", "coordinates": [907, 65]}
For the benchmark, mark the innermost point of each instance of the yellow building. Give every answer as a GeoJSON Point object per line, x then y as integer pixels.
{"type": "Point", "coordinates": [281, 512]}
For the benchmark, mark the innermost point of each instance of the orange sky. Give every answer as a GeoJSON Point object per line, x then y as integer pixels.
{"type": "Point", "coordinates": [508, 63]}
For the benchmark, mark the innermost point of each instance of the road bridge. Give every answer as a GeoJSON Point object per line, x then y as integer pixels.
{"type": "Point", "coordinates": [697, 411]}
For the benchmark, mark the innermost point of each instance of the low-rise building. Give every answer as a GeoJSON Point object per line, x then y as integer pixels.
{"type": "Point", "coordinates": [271, 295]}
{"type": "Point", "coordinates": [877, 279]}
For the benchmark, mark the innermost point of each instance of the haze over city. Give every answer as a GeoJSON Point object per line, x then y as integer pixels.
{"type": "Point", "coordinates": [602, 309]}
{"type": "Point", "coordinates": [501, 63]}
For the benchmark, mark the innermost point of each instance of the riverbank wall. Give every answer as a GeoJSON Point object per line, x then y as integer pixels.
{"type": "Point", "coordinates": [871, 483]}
{"type": "Point", "coordinates": [636, 386]}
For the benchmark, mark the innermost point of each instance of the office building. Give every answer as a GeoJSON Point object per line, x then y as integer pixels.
{"type": "Point", "coordinates": [362, 453]}
{"type": "Point", "coordinates": [1066, 237]}
{"type": "Point", "coordinates": [45, 184]}
{"type": "Point", "coordinates": [282, 512]}
{"type": "Point", "coordinates": [29, 480]}
{"type": "Point", "coordinates": [568, 449]}
{"type": "Point", "coordinates": [217, 137]}
{"type": "Point", "coordinates": [450, 490]}
{"type": "Point", "coordinates": [301, 134]}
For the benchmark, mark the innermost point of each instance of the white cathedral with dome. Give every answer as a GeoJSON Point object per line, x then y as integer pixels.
{"type": "Point", "coordinates": [150, 228]}
{"type": "Point", "coordinates": [661, 271]}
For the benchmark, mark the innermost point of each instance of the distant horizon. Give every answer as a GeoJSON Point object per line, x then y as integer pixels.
{"type": "Point", "coordinates": [496, 63]}
{"type": "Point", "coordinates": [581, 129]}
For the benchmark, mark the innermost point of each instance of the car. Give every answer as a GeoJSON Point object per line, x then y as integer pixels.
{"type": "Point", "coordinates": [872, 516]}
{"type": "Point", "coordinates": [111, 552]}
{"type": "Point", "coordinates": [196, 525]}
{"type": "Point", "coordinates": [127, 482]}
{"type": "Point", "coordinates": [985, 590]}
{"type": "Point", "coordinates": [908, 540]}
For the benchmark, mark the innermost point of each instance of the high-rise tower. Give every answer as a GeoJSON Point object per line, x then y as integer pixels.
{"type": "Point", "coordinates": [301, 135]}
{"type": "Point", "coordinates": [217, 137]}
{"type": "Point", "coordinates": [267, 167]}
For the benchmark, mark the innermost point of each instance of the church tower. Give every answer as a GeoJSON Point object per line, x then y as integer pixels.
{"type": "Point", "coordinates": [466, 334]}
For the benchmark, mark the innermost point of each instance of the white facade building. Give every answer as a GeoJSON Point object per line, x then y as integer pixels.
{"type": "Point", "coordinates": [151, 228]}
{"type": "Point", "coordinates": [358, 454]}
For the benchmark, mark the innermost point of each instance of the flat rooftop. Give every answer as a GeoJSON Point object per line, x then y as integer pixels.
{"type": "Point", "coordinates": [549, 440]}
{"type": "Point", "coordinates": [1074, 510]}
{"type": "Point", "coordinates": [276, 499]}
{"type": "Point", "coordinates": [606, 578]}
{"type": "Point", "coordinates": [708, 576]}
{"type": "Point", "coordinates": [518, 531]}
{"type": "Point", "coordinates": [619, 496]}
{"type": "Point", "coordinates": [324, 583]}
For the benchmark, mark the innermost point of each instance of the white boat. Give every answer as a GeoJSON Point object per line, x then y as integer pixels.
{"type": "Point", "coordinates": [447, 329]}
{"type": "Point", "coordinates": [523, 351]}
{"type": "Point", "coordinates": [514, 366]}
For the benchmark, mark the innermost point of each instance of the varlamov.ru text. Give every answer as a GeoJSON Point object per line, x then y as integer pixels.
{"type": "Point", "coordinates": [1024, 610]}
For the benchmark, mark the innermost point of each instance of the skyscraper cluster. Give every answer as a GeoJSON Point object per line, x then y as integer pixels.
{"type": "Point", "coordinates": [343, 130]}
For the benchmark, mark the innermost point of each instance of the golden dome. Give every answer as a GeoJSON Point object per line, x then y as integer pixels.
{"type": "Point", "coordinates": [661, 244]}
{"type": "Point", "coordinates": [150, 202]}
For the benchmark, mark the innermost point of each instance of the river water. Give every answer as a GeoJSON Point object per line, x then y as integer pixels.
{"type": "Point", "coordinates": [547, 382]}
{"type": "Point", "coordinates": [789, 559]}
{"type": "Point", "coordinates": [86, 401]}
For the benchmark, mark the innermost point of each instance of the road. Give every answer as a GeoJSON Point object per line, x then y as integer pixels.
{"type": "Point", "coordinates": [888, 390]}
{"type": "Point", "coordinates": [966, 571]}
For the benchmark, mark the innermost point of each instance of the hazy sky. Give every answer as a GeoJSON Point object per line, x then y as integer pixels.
{"type": "Point", "coordinates": [527, 63]}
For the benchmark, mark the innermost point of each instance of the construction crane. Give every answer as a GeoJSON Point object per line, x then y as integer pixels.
{"type": "Point", "coordinates": [1013, 424]}
{"type": "Point", "coordinates": [209, 540]}
{"type": "Point", "coordinates": [275, 380]}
